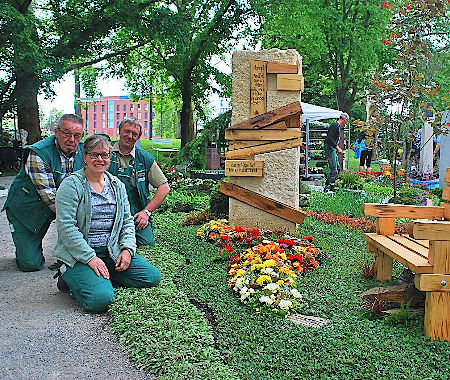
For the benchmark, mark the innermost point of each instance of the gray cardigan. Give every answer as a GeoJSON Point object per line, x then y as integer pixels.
{"type": "Point", "coordinates": [73, 219]}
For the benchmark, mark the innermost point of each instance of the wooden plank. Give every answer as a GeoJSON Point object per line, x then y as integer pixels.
{"type": "Point", "coordinates": [294, 122]}
{"type": "Point", "coordinates": [432, 282]}
{"type": "Point", "coordinates": [402, 211]}
{"type": "Point", "coordinates": [262, 134]}
{"type": "Point", "coordinates": [383, 266]}
{"type": "Point", "coordinates": [411, 244]}
{"type": "Point", "coordinates": [446, 207]}
{"type": "Point", "coordinates": [265, 148]}
{"type": "Point", "coordinates": [244, 168]}
{"type": "Point", "coordinates": [431, 230]}
{"type": "Point", "coordinates": [271, 117]}
{"type": "Point", "coordinates": [261, 202]}
{"type": "Point", "coordinates": [409, 259]}
{"type": "Point", "coordinates": [446, 193]}
{"type": "Point", "coordinates": [237, 144]}
{"type": "Point", "coordinates": [290, 82]}
{"type": "Point", "coordinates": [447, 175]}
{"type": "Point", "coordinates": [281, 68]}
{"type": "Point", "coordinates": [258, 88]}
{"type": "Point", "coordinates": [440, 250]}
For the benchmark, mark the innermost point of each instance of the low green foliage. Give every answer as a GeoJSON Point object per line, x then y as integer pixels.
{"type": "Point", "coordinates": [184, 201]}
{"type": "Point", "coordinates": [219, 203]}
{"type": "Point", "coordinates": [168, 336]}
{"type": "Point", "coordinates": [349, 180]}
{"type": "Point", "coordinates": [378, 192]}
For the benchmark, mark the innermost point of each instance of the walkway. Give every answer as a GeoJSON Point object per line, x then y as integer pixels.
{"type": "Point", "coordinates": [44, 334]}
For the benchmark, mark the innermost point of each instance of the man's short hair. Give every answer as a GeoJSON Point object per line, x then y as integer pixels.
{"type": "Point", "coordinates": [131, 121]}
{"type": "Point", "coordinates": [344, 116]}
{"type": "Point", "coordinates": [71, 117]}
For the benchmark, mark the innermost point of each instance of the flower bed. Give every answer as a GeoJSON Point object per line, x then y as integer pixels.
{"type": "Point", "coordinates": [263, 273]}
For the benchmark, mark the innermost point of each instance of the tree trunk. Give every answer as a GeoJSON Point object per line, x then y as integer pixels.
{"type": "Point", "coordinates": [187, 113]}
{"type": "Point", "coordinates": [27, 106]}
{"type": "Point", "coordinates": [77, 104]}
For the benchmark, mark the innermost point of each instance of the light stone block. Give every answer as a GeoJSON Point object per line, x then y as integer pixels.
{"type": "Point", "coordinates": [281, 168]}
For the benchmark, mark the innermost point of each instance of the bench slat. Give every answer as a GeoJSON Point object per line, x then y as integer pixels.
{"type": "Point", "coordinates": [408, 258]}
{"type": "Point", "coordinates": [411, 244]}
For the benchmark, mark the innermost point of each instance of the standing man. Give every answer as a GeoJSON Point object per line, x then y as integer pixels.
{"type": "Point", "coordinates": [30, 206]}
{"type": "Point", "coordinates": [137, 168]}
{"type": "Point", "coordinates": [331, 146]}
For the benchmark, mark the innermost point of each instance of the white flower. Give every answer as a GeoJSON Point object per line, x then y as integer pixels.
{"type": "Point", "coordinates": [268, 270]}
{"type": "Point", "coordinates": [239, 284]}
{"type": "Point", "coordinates": [266, 241]}
{"type": "Point", "coordinates": [285, 304]}
{"type": "Point", "coordinates": [243, 290]}
{"type": "Point", "coordinates": [265, 299]}
{"type": "Point", "coordinates": [272, 287]}
{"type": "Point", "coordinates": [295, 293]}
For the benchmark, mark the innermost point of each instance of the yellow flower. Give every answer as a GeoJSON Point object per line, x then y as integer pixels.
{"type": "Point", "coordinates": [280, 283]}
{"type": "Point", "coordinates": [283, 256]}
{"type": "Point", "coordinates": [241, 272]}
{"type": "Point", "coordinates": [270, 263]}
{"type": "Point", "coordinates": [262, 279]}
{"type": "Point", "coordinates": [231, 272]}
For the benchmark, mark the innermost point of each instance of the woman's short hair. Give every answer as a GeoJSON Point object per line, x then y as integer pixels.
{"type": "Point", "coordinates": [131, 121]}
{"type": "Point", "coordinates": [95, 141]}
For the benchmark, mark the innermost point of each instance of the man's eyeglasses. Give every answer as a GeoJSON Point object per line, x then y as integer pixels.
{"type": "Point", "coordinates": [103, 156]}
{"type": "Point", "coordinates": [67, 135]}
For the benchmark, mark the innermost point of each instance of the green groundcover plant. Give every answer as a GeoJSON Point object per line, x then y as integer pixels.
{"type": "Point", "coordinates": [192, 327]}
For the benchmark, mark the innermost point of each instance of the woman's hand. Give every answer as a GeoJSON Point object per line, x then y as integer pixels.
{"type": "Point", "coordinates": [123, 261]}
{"type": "Point", "coordinates": [140, 220]}
{"type": "Point", "coordinates": [99, 267]}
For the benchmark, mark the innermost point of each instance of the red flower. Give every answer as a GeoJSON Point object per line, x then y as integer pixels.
{"type": "Point", "coordinates": [310, 238]}
{"type": "Point", "coordinates": [225, 237]}
{"type": "Point", "coordinates": [228, 248]}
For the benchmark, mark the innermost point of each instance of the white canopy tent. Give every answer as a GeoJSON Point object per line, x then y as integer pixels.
{"type": "Point", "coordinates": [310, 113]}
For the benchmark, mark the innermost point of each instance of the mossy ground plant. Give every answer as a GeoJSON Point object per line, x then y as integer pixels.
{"type": "Point", "coordinates": [167, 335]}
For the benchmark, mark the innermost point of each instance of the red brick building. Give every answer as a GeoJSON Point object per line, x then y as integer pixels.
{"type": "Point", "coordinates": [103, 115]}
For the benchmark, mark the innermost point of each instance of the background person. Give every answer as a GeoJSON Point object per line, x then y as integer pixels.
{"type": "Point", "coordinates": [365, 158]}
{"type": "Point", "coordinates": [30, 206]}
{"type": "Point", "coordinates": [137, 169]}
{"type": "Point", "coordinates": [331, 147]}
{"type": "Point", "coordinates": [96, 240]}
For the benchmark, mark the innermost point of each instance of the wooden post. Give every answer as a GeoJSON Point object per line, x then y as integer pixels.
{"type": "Point", "coordinates": [383, 266]}
{"type": "Point", "coordinates": [385, 226]}
{"type": "Point", "coordinates": [437, 303]}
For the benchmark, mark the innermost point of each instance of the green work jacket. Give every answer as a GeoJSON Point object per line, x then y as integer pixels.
{"type": "Point", "coordinates": [143, 161]}
{"type": "Point", "coordinates": [23, 201]}
{"type": "Point", "coordinates": [73, 221]}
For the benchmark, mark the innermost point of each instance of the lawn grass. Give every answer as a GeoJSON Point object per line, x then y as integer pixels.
{"type": "Point", "coordinates": [167, 335]}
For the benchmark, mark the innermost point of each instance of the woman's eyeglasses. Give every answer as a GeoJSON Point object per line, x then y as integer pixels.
{"type": "Point", "coordinates": [95, 155]}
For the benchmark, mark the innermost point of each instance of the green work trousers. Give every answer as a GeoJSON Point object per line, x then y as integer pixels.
{"type": "Point", "coordinates": [28, 243]}
{"type": "Point", "coordinates": [95, 293]}
{"type": "Point", "coordinates": [332, 158]}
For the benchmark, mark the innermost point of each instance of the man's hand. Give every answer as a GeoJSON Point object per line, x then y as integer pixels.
{"type": "Point", "coordinates": [338, 149]}
{"type": "Point", "coordinates": [140, 220]}
{"type": "Point", "coordinates": [123, 261]}
{"type": "Point", "coordinates": [99, 267]}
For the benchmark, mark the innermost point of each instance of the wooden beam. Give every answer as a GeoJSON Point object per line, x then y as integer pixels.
{"type": "Point", "coordinates": [261, 202]}
{"type": "Point", "coordinates": [290, 82]}
{"type": "Point", "coordinates": [402, 211]}
{"type": "Point", "coordinates": [264, 148]}
{"type": "Point", "coordinates": [294, 122]}
{"type": "Point", "coordinates": [446, 193]}
{"type": "Point", "coordinates": [244, 168]}
{"type": "Point", "coordinates": [281, 68]}
{"type": "Point", "coordinates": [431, 230]}
{"type": "Point", "coordinates": [446, 207]}
{"type": "Point", "coordinates": [258, 87]}
{"type": "Point", "coordinates": [262, 134]}
{"type": "Point", "coordinates": [237, 144]}
{"type": "Point", "coordinates": [291, 110]}
{"type": "Point", "coordinates": [447, 175]}
{"type": "Point", "coordinates": [385, 226]}
{"type": "Point", "coordinates": [432, 282]}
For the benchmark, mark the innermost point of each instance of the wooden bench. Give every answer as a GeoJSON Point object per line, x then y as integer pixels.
{"type": "Point", "coordinates": [426, 251]}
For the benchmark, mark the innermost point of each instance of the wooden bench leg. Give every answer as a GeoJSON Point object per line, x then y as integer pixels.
{"type": "Point", "coordinates": [383, 266]}
{"type": "Point", "coordinates": [437, 315]}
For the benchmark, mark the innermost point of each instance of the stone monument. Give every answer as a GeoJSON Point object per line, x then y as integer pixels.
{"type": "Point", "coordinates": [265, 81]}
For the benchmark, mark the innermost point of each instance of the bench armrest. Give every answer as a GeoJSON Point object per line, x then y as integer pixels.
{"type": "Point", "coordinates": [402, 211]}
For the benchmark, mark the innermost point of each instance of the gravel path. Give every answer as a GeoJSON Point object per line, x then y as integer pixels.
{"type": "Point", "coordinates": [44, 333]}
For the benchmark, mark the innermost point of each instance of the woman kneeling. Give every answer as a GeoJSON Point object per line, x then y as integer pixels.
{"type": "Point", "coordinates": [96, 235]}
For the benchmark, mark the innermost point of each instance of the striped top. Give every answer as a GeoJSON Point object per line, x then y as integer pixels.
{"type": "Point", "coordinates": [102, 215]}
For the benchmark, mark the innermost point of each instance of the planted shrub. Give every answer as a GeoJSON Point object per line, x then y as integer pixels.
{"type": "Point", "coordinates": [218, 204]}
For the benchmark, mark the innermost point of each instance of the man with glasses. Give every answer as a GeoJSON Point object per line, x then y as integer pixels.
{"type": "Point", "coordinates": [30, 206]}
{"type": "Point", "coordinates": [137, 169]}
